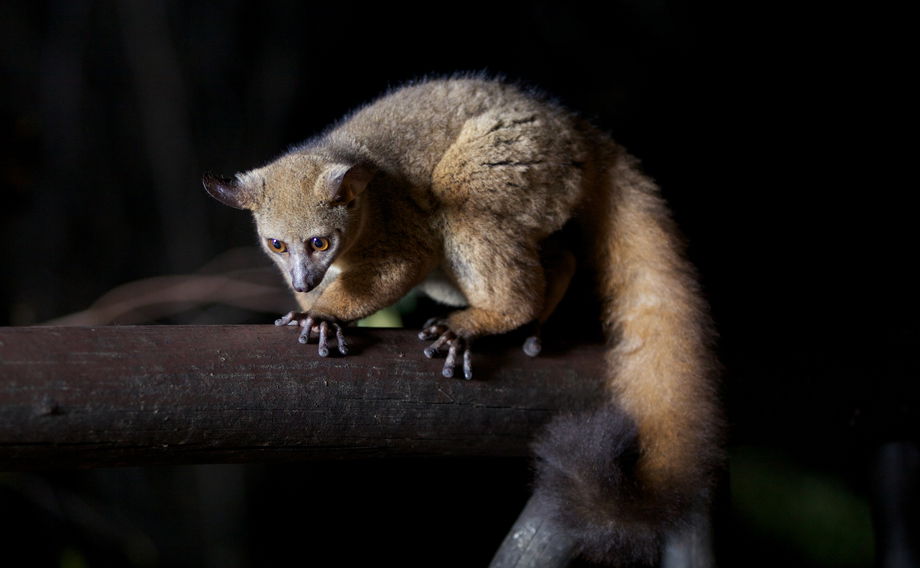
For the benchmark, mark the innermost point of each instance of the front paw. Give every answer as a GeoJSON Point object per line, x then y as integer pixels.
{"type": "Point", "coordinates": [456, 344]}
{"type": "Point", "coordinates": [310, 323]}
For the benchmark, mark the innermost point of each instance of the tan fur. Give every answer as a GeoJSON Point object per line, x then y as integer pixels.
{"type": "Point", "coordinates": [472, 177]}
{"type": "Point", "coordinates": [661, 365]}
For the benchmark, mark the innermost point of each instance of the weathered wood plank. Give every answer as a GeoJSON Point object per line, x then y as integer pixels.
{"type": "Point", "coordinates": [105, 396]}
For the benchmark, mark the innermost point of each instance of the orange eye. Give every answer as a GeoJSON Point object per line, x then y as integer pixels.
{"type": "Point", "coordinates": [276, 246]}
{"type": "Point", "coordinates": [319, 243]}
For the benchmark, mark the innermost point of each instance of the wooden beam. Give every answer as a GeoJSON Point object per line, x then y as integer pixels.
{"type": "Point", "coordinates": [111, 396]}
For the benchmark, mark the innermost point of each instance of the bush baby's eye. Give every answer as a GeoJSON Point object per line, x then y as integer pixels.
{"type": "Point", "coordinates": [319, 243]}
{"type": "Point", "coordinates": [277, 246]}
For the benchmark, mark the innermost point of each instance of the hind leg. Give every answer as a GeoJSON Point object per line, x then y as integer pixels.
{"type": "Point", "coordinates": [502, 278]}
{"type": "Point", "coordinates": [558, 267]}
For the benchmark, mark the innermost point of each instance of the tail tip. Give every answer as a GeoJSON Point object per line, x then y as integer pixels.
{"type": "Point", "coordinates": [586, 476]}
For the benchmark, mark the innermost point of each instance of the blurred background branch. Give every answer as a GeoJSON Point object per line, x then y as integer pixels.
{"type": "Point", "coordinates": [239, 278]}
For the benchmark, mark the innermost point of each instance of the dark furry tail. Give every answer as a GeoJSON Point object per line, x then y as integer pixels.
{"type": "Point", "coordinates": [587, 482]}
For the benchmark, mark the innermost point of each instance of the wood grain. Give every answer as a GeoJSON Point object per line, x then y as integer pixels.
{"type": "Point", "coordinates": [125, 395]}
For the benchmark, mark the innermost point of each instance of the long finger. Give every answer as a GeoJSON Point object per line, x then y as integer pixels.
{"type": "Point", "coordinates": [307, 325]}
{"type": "Point", "coordinates": [323, 344]}
{"type": "Point", "coordinates": [467, 363]}
{"type": "Point", "coordinates": [433, 348]}
{"type": "Point", "coordinates": [451, 361]}
{"type": "Point", "coordinates": [340, 339]}
{"type": "Point", "coordinates": [285, 319]}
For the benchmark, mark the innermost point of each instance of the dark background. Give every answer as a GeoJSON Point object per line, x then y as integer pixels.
{"type": "Point", "coordinates": [759, 122]}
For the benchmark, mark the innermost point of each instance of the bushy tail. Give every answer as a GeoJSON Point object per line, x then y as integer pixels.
{"type": "Point", "coordinates": [619, 478]}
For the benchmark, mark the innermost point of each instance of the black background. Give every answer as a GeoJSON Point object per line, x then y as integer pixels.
{"type": "Point", "coordinates": [767, 126]}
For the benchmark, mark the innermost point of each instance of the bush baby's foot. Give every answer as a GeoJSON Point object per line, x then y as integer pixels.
{"type": "Point", "coordinates": [456, 347]}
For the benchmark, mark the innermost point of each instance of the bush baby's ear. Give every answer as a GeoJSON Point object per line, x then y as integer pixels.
{"type": "Point", "coordinates": [344, 183]}
{"type": "Point", "coordinates": [229, 191]}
